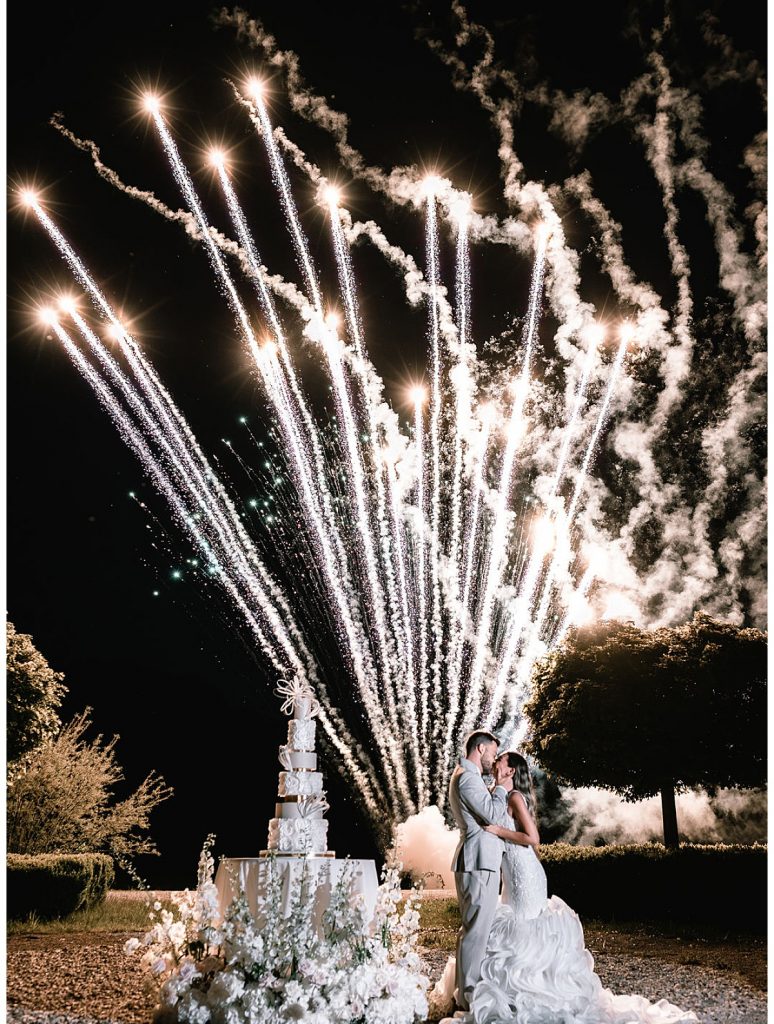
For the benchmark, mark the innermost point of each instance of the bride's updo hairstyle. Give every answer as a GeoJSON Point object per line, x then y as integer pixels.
{"type": "Point", "coordinates": [522, 780]}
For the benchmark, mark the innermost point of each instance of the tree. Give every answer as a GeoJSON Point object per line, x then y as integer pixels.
{"type": "Point", "coordinates": [62, 801]}
{"type": "Point", "coordinates": [642, 712]}
{"type": "Point", "coordinates": [35, 693]}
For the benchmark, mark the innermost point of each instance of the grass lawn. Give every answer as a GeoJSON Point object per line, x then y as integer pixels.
{"type": "Point", "coordinates": [121, 912]}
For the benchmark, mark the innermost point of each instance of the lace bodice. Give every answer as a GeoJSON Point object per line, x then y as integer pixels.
{"type": "Point", "coordinates": [525, 888]}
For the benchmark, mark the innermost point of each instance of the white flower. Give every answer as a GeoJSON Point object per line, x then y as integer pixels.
{"type": "Point", "coordinates": [229, 1015]}
{"type": "Point", "coordinates": [294, 992]}
{"type": "Point", "coordinates": [348, 973]}
{"type": "Point", "coordinates": [254, 999]}
{"type": "Point", "coordinates": [225, 988]}
{"type": "Point", "coordinates": [193, 1011]}
{"type": "Point", "coordinates": [187, 970]}
{"type": "Point", "coordinates": [176, 933]}
{"type": "Point", "coordinates": [357, 1008]}
{"type": "Point", "coordinates": [131, 945]}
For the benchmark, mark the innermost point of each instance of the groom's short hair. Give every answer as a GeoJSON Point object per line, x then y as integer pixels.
{"type": "Point", "coordinates": [478, 737]}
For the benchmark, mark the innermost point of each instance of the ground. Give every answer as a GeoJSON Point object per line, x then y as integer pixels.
{"type": "Point", "coordinates": [55, 974]}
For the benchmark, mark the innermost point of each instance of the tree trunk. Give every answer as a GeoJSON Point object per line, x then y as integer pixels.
{"type": "Point", "coordinates": [669, 816]}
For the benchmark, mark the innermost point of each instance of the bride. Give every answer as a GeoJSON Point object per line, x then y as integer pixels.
{"type": "Point", "coordinates": [536, 969]}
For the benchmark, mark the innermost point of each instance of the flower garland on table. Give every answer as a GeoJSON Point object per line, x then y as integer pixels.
{"type": "Point", "coordinates": [272, 969]}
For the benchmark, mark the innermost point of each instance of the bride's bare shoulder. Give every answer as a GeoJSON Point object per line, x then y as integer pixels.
{"type": "Point", "coordinates": [517, 805]}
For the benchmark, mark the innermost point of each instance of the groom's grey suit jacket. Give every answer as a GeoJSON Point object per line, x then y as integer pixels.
{"type": "Point", "coordinates": [473, 807]}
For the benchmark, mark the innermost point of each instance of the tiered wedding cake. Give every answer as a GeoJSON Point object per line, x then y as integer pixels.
{"type": "Point", "coordinates": [299, 828]}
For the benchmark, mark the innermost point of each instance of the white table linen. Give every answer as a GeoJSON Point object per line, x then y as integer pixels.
{"type": "Point", "coordinates": [252, 873]}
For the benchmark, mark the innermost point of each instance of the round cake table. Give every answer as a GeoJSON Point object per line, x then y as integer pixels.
{"type": "Point", "coordinates": [251, 874]}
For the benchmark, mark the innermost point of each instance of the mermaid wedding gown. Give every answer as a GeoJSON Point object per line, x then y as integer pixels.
{"type": "Point", "coordinates": [537, 970]}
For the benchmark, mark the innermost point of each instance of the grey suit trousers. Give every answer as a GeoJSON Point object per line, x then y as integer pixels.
{"type": "Point", "coordinates": [477, 893]}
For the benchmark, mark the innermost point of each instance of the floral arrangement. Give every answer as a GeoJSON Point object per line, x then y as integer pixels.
{"type": "Point", "coordinates": [243, 969]}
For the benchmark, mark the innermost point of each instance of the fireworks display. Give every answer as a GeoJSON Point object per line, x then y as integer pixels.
{"type": "Point", "coordinates": [438, 577]}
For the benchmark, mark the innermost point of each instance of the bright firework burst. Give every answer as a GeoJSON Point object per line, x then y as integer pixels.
{"type": "Point", "coordinates": [442, 580]}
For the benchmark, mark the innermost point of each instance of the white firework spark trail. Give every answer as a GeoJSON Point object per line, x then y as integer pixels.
{"type": "Point", "coordinates": [627, 333]}
{"type": "Point", "coordinates": [137, 443]}
{"type": "Point", "coordinates": [398, 621]}
{"type": "Point", "coordinates": [498, 544]}
{"type": "Point", "coordinates": [595, 336]}
{"type": "Point", "coordinates": [170, 417]}
{"type": "Point", "coordinates": [471, 541]}
{"type": "Point", "coordinates": [462, 414]}
{"type": "Point", "coordinates": [410, 687]}
{"type": "Point", "coordinates": [564, 522]}
{"type": "Point", "coordinates": [349, 293]}
{"type": "Point", "coordinates": [435, 453]}
{"type": "Point", "coordinates": [420, 545]}
{"type": "Point", "coordinates": [442, 590]}
{"type": "Point", "coordinates": [426, 557]}
{"type": "Point", "coordinates": [324, 530]}
{"type": "Point", "coordinates": [522, 615]}
{"type": "Point", "coordinates": [268, 306]}
{"type": "Point", "coordinates": [332, 348]}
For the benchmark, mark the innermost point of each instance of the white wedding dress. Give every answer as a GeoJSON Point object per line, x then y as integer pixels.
{"type": "Point", "coordinates": [536, 969]}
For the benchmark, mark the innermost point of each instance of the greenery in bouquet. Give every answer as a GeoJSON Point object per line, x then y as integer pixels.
{"type": "Point", "coordinates": [341, 967]}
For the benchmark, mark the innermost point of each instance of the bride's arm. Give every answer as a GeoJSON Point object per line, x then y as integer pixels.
{"type": "Point", "coordinates": [518, 808]}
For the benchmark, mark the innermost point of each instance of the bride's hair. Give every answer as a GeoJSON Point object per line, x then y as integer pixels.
{"type": "Point", "coordinates": [522, 780]}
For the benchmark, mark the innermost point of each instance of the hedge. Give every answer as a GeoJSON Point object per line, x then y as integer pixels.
{"type": "Point", "coordinates": [54, 885]}
{"type": "Point", "coordinates": [713, 884]}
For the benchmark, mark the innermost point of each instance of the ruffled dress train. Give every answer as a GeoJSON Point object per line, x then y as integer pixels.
{"type": "Point", "coordinates": [537, 970]}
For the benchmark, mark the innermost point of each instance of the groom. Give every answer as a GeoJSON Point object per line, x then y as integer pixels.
{"type": "Point", "coordinates": [476, 863]}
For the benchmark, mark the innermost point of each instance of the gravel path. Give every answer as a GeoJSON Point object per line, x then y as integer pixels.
{"type": "Point", "coordinates": [94, 983]}
{"type": "Point", "coordinates": [714, 996]}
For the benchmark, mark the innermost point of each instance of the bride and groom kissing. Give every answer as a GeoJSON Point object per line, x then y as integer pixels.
{"type": "Point", "coordinates": [521, 957]}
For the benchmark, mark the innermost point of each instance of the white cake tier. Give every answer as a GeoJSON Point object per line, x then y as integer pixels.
{"type": "Point", "coordinates": [302, 707]}
{"type": "Point", "coordinates": [300, 784]}
{"type": "Point", "coordinates": [301, 733]}
{"type": "Point", "coordinates": [294, 759]}
{"type": "Point", "coordinates": [303, 807]}
{"type": "Point", "coordinates": [298, 835]}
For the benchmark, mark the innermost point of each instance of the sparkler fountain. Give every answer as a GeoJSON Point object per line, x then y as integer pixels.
{"type": "Point", "coordinates": [443, 590]}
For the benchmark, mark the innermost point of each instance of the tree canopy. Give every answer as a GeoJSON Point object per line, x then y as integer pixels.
{"type": "Point", "coordinates": [633, 710]}
{"type": "Point", "coordinates": [60, 796]}
{"type": "Point", "coordinates": [34, 695]}
{"type": "Point", "coordinates": [63, 801]}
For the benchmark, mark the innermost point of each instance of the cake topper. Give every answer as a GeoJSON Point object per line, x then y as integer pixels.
{"type": "Point", "coordinates": [294, 690]}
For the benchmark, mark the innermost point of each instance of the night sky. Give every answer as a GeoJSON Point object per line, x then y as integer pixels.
{"type": "Point", "coordinates": [175, 674]}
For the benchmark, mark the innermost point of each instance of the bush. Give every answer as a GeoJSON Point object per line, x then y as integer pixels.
{"type": "Point", "coordinates": [713, 884]}
{"type": "Point", "coordinates": [63, 799]}
{"type": "Point", "coordinates": [34, 694]}
{"type": "Point", "coordinates": [54, 885]}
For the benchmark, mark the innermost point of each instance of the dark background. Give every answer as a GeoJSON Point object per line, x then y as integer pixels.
{"type": "Point", "coordinates": [174, 674]}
